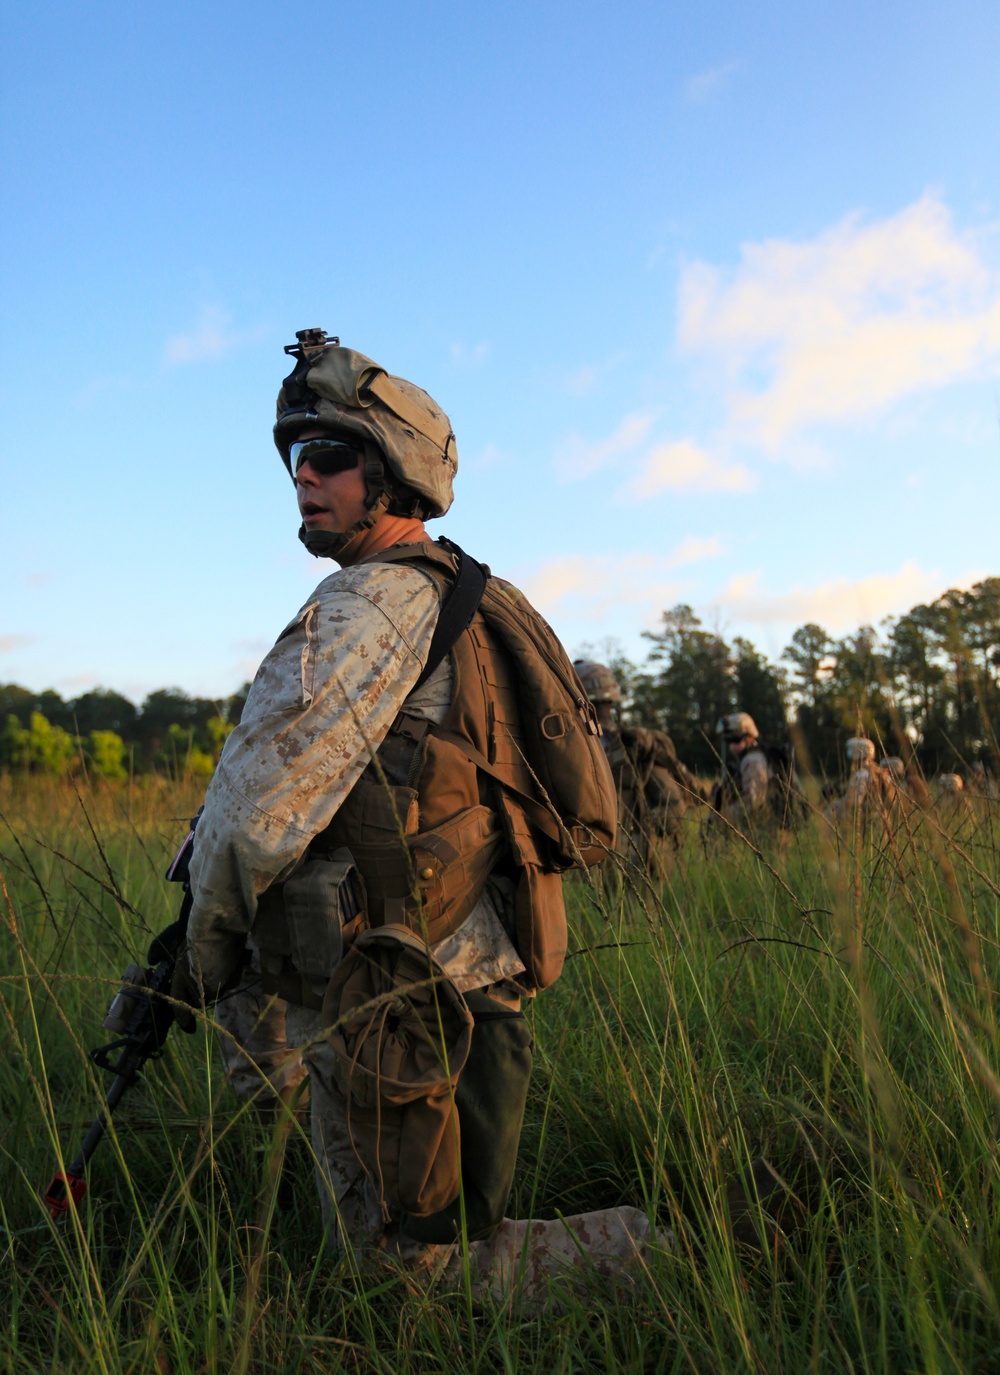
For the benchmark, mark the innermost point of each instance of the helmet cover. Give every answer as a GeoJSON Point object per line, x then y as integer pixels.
{"type": "Point", "coordinates": [599, 683]}
{"type": "Point", "coordinates": [736, 725]}
{"type": "Point", "coordinates": [341, 390]}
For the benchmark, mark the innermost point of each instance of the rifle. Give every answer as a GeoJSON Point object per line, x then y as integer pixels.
{"type": "Point", "coordinates": [141, 1017]}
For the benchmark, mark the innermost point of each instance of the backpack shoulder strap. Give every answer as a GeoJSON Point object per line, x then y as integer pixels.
{"type": "Point", "coordinates": [461, 599]}
{"type": "Point", "coordinates": [460, 604]}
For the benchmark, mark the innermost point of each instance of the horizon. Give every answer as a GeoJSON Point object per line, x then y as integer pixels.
{"type": "Point", "coordinates": [712, 300]}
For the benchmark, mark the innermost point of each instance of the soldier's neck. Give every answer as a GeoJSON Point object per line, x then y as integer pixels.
{"type": "Point", "coordinates": [387, 531]}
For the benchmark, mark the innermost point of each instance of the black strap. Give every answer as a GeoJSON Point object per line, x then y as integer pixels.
{"type": "Point", "coordinates": [457, 610]}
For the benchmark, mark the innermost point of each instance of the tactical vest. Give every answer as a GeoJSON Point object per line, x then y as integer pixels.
{"type": "Point", "coordinates": [425, 827]}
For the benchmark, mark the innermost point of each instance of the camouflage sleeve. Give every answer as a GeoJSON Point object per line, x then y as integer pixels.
{"type": "Point", "coordinates": [755, 774]}
{"type": "Point", "coordinates": [322, 700]}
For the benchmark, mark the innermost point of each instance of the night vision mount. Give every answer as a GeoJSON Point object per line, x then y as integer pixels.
{"type": "Point", "coordinates": [310, 343]}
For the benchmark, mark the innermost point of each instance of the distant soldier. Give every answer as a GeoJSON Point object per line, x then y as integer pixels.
{"type": "Point", "coordinates": [654, 787]}
{"type": "Point", "coordinates": [893, 766]}
{"type": "Point", "coordinates": [952, 802]}
{"type": "Point", "coordinates": [904, 786]}
{"type": "Point", "coordinates": [759, 783]}
{"type": "Point", "coordinates": [869, 788]}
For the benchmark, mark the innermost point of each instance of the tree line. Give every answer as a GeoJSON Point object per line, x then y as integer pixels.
{"type": "Point", "coordinates": [104, 732]}
{"type": "Point", "coordinates": [924, 685]}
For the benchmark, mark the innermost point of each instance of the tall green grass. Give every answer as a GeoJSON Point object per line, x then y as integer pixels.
{"type": "Point", "coordinates": [828, 1004]}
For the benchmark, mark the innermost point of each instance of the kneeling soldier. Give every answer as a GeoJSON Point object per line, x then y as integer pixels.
{"type": "Point", "coordinates": [376, 832]}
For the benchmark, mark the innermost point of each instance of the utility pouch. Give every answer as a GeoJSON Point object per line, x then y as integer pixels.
{"type": "Point", "coordinates": [490, 1099]}
{"type": "Point", "coordinates": [302, 929]}
{"type": "Point", "coordinates": [400, 1033]}
{"type": "Point", "coordinates": [540, 924]}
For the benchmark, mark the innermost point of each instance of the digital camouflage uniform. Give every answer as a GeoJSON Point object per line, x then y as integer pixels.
{"type": "Point", "coordinates": [868, 794]}
{"type": "Point", "coordinates": [323, 701]}
{"type": "Point", "coordinates": [952, 803]}
{"type": "Point", "coordinates": [755, 792]}
{"type": "Point", "coordinates": [905, 792]}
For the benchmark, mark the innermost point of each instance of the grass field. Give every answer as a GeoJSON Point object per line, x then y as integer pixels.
{"type": "Point", "coordinates": [833, 1009]}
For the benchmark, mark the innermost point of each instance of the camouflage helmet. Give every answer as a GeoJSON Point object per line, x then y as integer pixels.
{"type": "Point", "coordinates": [736, 725]}
{"type": "Point", "coordinates": [599, 683]}
{"type": "Point", "coordinates": [859, 750]}
{"type": "Point", "coordinates": [894, 765]}
{"type": "Point", "coordinates": [400, 426]}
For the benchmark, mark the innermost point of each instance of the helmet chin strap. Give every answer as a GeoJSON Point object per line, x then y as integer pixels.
{"type": "Point", "coordinates": [328, 544]}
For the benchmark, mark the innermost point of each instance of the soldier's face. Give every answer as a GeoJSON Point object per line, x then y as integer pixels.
{"type": "Point", "coordinates": [330, 501]}
{"type": "Point", "coordinates": [605, 714]}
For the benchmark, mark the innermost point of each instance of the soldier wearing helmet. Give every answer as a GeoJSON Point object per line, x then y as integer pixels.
{"type": "Point", "coordinates": [952, 801]}
{"type": "Point", "coordinates": [759, 784]}
{"type": "Point", "coordinates": [869, 789]}
{"type": "Point", "coordinates": [654, 788]}
{"type": "Point", "coordinates": [357, 739]}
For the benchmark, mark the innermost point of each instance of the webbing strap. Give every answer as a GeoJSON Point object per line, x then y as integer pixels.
{"type": "Point", "coordinates": [457, 610]}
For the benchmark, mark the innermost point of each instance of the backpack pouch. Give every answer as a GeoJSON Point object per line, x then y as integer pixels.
{"type": "Point", "coordinates": [490, 1098]}
{"type": "Point", "coordinates": [540, 924]}
{"type": "Point", "coordinates": [400, 1032]}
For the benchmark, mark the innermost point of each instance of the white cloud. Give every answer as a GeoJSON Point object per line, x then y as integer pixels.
{"type": "Point", "coordinates": [695, 547]}
{"type": "Point", "coordinates": [210, 340]}
{"type": "Point", "coordinates": [838, 605]}
{"type": "Point", "coordinates": [487, 457]}
{"type": "Point", "coordinates": [575, 458]}
{"type": "Point", "coordinates": [698, 88]}
{"type": "Point", "coordinates": [683, 466]}
{"type": "Point", "coordinates": [584, 381]}
{"type": "Point", "coordinates": [8, 643]}
{"type": "Point", "coordinates": [591, 588]}
{"type": "Point", "coordinates": [470, 357]}
{"type": "Point", "coordinates": [839, 327]}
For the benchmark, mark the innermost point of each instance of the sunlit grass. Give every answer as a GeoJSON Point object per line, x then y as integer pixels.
{"type": "Point", "coordinates": [831, 1007]}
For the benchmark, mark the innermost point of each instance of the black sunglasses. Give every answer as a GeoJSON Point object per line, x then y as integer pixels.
{"type": "Point", "coordinates": [324, 455]}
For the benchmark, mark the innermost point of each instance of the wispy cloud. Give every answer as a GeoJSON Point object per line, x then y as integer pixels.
{"type": "Point", "coordinates": [8, 643]}
{"type": "Point", "coordinates": [838, 605]}
{"type": "Point", "coordinates": [684, 466]}
{"type": "Point", "coordinates": [589, 378]}
{"type": "Point", "coordinates": [212, 338]}
{"type": "Point", "coordinates": [470, 356]}
{"type": "Point", "coordinates": [703, 85]}
{"type": "Point", "coordinates": [593, 588]}
{"type": "Point", "coordinates": [576, 458]}
{"type": "Point", "coordinates": [488, 457]}
{"type": "Point", "coordinates": [841, 326]}
{"type": "Point", "coordinates": [584, 381]}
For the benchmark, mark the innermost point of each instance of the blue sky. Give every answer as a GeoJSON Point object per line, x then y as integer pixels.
{"type": "Point", "coordinates": [710, 292]}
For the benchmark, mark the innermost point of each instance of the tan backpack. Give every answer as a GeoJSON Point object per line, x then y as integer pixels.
{"type": "Point", "coordinates": [556, 793]}
{"type": "Point", "coordinates": [573, 801]}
